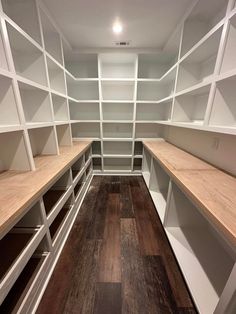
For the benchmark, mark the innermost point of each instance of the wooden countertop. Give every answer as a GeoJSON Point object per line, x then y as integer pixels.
{"type": "Point", "coordinates": [211, 189]}
{"type": "Point", "coordinates": [20, 189]}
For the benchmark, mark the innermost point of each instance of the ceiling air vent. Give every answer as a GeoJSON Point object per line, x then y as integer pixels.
{"type": "Point", "coordinates": [122, 43]}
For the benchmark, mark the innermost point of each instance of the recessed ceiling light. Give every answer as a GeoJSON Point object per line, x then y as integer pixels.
{"type": "Point", "coordinates": [117, 27]}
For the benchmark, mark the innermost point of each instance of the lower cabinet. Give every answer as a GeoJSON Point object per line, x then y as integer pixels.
{"type": "Point", "coordinates": [30, 248]}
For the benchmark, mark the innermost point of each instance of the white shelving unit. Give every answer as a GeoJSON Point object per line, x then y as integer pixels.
{"type": "Point", "coordinates": [117, 111]}
{"type": "Point", "coordinates": [60, 108]}
{"type": "Point", "coordinates": [117, 66]}
{"type": "Point", "coordinates": [56, 77]}
{"type": "Point", "coordinates": [89, 130]}
{"type": "Point", "coordinates": [82, 65]}
{"type": "Point", "coordinates": [84, 111]}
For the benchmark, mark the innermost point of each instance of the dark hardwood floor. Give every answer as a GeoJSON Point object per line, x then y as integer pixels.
{"type": "Point", "coordinates": [117, 258]}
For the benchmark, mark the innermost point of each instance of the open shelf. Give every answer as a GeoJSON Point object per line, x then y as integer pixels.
{"type": "Point", "coordinates": [8, 106]}
{"type": "Point", "coordinates": [86, 130]}
{"type": "Point", "coordinates": [117, 65]}
{"type": "Point", "coordinates": [200, 253]}
{"type": "Point", "coordinates": [43, 141]}
{"type": "Point", "coordinates": [229, 62]}
{"type": "Point", "coordinates": [81, 65]}
{"type": "Point", "coordinates": [88, 154]}
{"type": "Point", "coordinates": [117, 148]}
{"type": "Point", "coordinates": [32, 219]}
{"type": "Point", "coordinates": [78, 187]}
{"type": "Point", "coordinates": [146, 166]}
{"type": "Point", "coordinates": [78, 166]}
{"type": "Point", "coordinates": [117, 164]}
{"type": "Point", "coordinates": [97, 164]}
{"type": "Point", "coordinates": [200, 64]}
{"type": "Point", "coordinates": [84, 111]}
{"type": "Point", "coordinates": [153, 112]}
{"type": "Point", "coordinates": [223, 109]}
{"type": "Point", "coordinates": [28, 278]}
{"type": "Point", "coordinates": [96, 148]}
{"type": "Point", "coordinates": [138, 148]}
{"type": "Point", "coordinates": [117, 90]}
{"type": "Point", "coordinates": [52, 39]}
{"type": "Point", "coordinates": [14, 155]}
{"type": "Point", "coordinates": [137, 166]}
{"type": "Point", "coordinates": [60, 108]}
{"type": "Point", "coordinates": [148, 130]}
{"type": "Point", "coordinates": [117, 130]}
{"type": "Point", "coordinates": [28, 59]}
{"type": "Point", "coordinates": [3, 59]}
{"type": "Point", "coordinates": [159, 183]}
{"type": "Point", "coordinates": [56, 77]}
{"type": "Point", "coordinates": [204, 16]}
{"type": "Point", "coordinates": [117, 111]}
{"type": "Point", "coordinates": [64, 135]}
{"type": "Point", "coordinates": [24, 13]}
{"type": "Point", "coordinates": [89, 169]}
{"type": "Point", "coordinates": [82, 90]}
{"type": "Point", "coordinates": [36, 104]}
{"type": "Point", "coordinates": [191, 107]}
{"type": "Point", "coordinates": [52, 197]}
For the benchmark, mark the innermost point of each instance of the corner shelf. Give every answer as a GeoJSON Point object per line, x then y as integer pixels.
{"type": "Point", "coordinates": [43, 141]}
{"type": "Point", "coordinates": [84, 111]}
{"type": "Point", "coordinates": [8, 105]}
{"type": "Point", "coordinates": [199, 65]}
{"type": "Point", "coordinates": [36, 104]}
{"type": "Point", "coordinates": [223, 109]}
{"type": "Point", "coordinates": [24, 14]}
{"type": "Point", "coordinates": [28, 59]}
{"type": "Point", "coordinates": [117, 111]}
{"type": "Point", "coordinates": [52, 39]}
{"type": "Point", "coordinates": [191, 107]}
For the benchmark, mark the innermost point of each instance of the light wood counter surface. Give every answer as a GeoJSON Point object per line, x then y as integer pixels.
{"type": "Point", "coordinates": [211, 189]}
{"type": "Point", "coordinates": [20, 189]}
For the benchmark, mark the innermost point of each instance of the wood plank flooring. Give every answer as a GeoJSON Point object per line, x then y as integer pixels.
{"type": "Point", "coordinates": [117, 258]}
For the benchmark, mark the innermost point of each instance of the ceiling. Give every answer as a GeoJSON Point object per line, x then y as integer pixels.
{"type": "Point", "coordinates": [87, 24]}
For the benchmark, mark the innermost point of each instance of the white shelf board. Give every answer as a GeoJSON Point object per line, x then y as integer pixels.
{"type": "Point", "coordinates": [160, 204]}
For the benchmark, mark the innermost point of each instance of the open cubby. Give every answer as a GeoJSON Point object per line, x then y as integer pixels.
{"type": "Point", "coordinates": [201, 255]}
{"type": "Point", "coordinates": [96, 148]}
{"type": "Point", "coordinates": [43, 141]}
{"type": "Point", "coordinates": [87, 154]}
{"type": "Point", "coordinates": [154, 66]}
{"type": "Point", "coordinates": [55, 193]}
{"type": "Point", "coordinates": [223, 109]}
{"type": "Point", "coordinates": [229, 62]}
{"type": "Point", "coordinates": [146, 166]}
{"type": "Point", "coordinates": [63, 135]}
{"type": "Point", "coordinates": [86, 130]}
{"type": "Point", "coordinates": [82, 90]}
{"type": "Point", "coordinates": [24, 13]}
{"type": "Point", "coordinates": [8, 106]}
{"type": "Point", "coordinates": [78, 187]}
{"type": "Point", "coordinates": [117, 148]}
{"type": "Point", "coordinates": [118, 90]}
{"type": "Point", "coordinates": [57, 223]}
{"type": "Point", "coordinates": [117, 164]}
{"type": "Point", "coordinates": [82, 65]}
{"type": "Point", "coordinates": [138, 148]}
{"type": "Point", "coordinates": [117, 130]}
{"type": "Point", "coordinates": [60, 108]}
{"type": "Point", "coordinates": [150, 91]}
{"type": "Point", "coordinates": [204, 16]}
{"type": "Point", "coordinates": [153, 112]}
{"type": "Point", "coordinates": [84, 111]}
{"type": "Point", "coordinates": [36, 104]}
{"type": "Point", "coordinates": [56, 77]}
{"type": "Point", "coordinates": [137, 166]}
{"type": "Point", "coordinates": [33, 218]}
{"type": "Point", "coordinates": [78, 166]}
{"type": "Point", "coordinates": [158, 186]}
{"type": "Point", "coordinates": [199, 66]}
{"type": "Point", "coordinates": [97, 164]}
{"type": "Point", "coordinates": [14, 155]}
{"type": "Point", "coordinates": [117, 111]}
{"type": "Point", "coordinates": [28, 59]}
{"type": "Point", "coordinates": [89, 169]}
{"type": "Point", "coordinates": [117, 65]}
{"type": "Point", "coordinates": [52, 39]}
{"type": "Point", "coordinates": [3, 59]}
{"type": "Point", "coordinates": [148, 130]}
{"type": "Point", "coordinates": [191, 107]}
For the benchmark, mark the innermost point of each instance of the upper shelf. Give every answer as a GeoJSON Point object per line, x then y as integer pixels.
{"type": "Point", "coordinates": [81, 65]}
